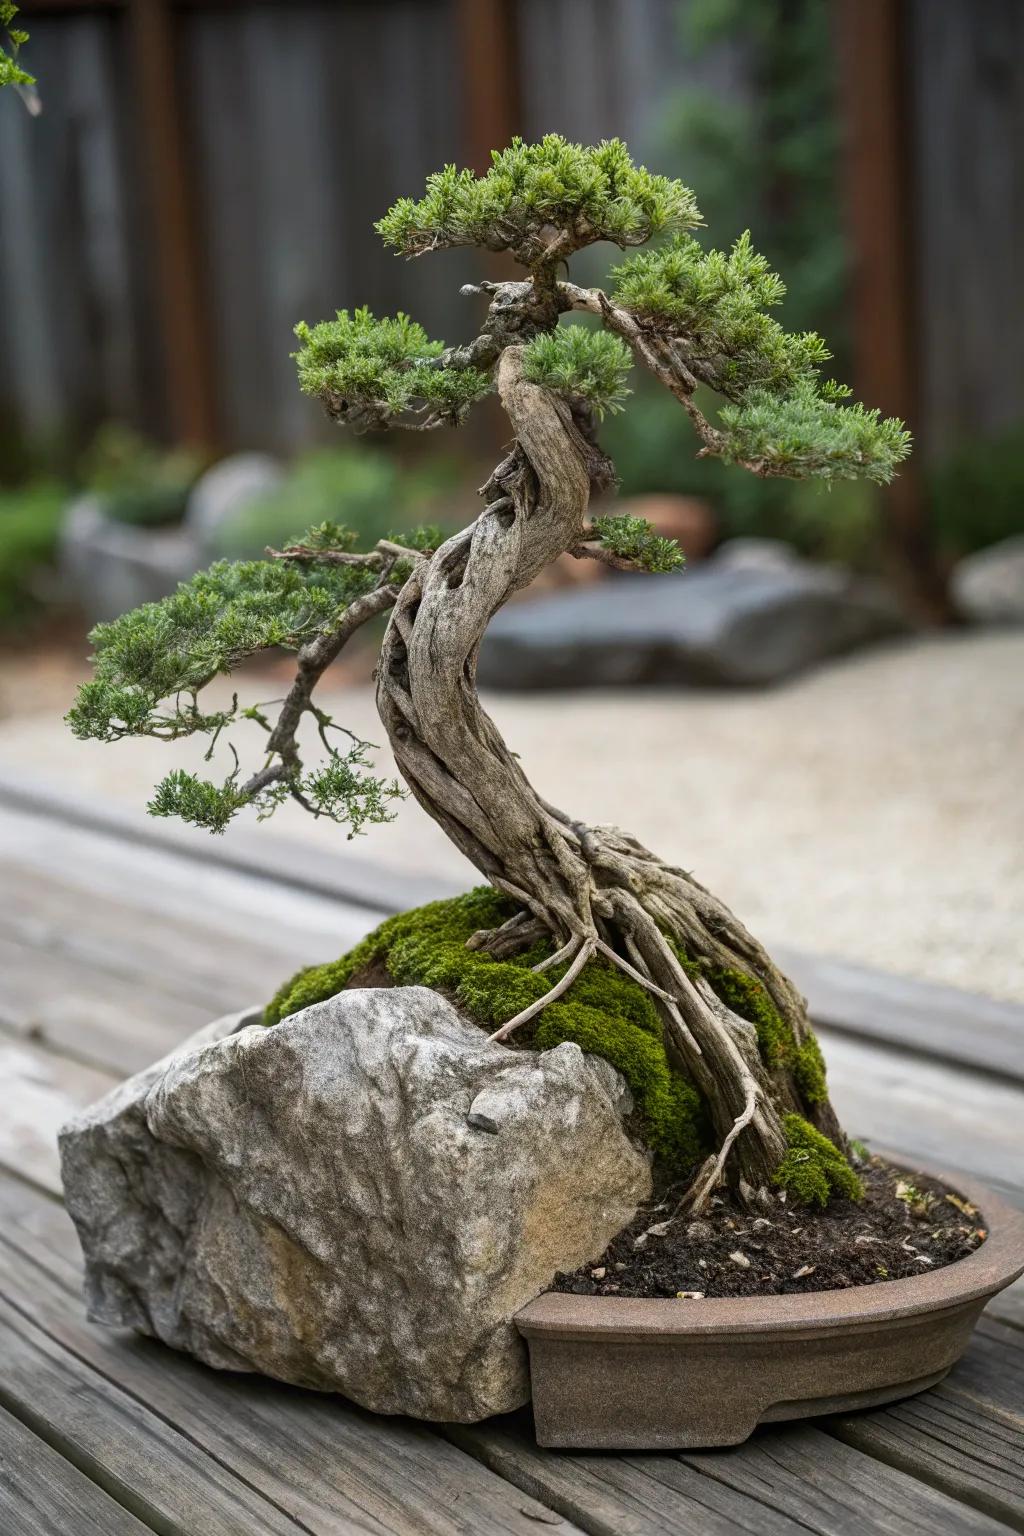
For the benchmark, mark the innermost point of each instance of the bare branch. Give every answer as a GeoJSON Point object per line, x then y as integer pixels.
{"type": "Point", "coordinates": [661, 355]}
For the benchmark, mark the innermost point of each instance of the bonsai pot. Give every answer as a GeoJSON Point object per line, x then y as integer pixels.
{"type": "Point", "coordinates": [633, 1374]}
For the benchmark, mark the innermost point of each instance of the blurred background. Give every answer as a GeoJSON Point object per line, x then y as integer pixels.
{"type": "Point", "coordinates": [823, 716]}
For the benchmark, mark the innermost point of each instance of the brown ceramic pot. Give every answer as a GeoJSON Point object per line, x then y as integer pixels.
{"type": "Point", "coordinates": [642, 1375]}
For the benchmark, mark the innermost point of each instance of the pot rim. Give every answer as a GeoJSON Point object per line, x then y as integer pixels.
{"type": "Point", "coordinates": [992, 1266]}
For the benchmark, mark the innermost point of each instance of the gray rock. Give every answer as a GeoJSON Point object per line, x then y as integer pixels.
{"type": "Point", "coordinates": [988, 586]}
{"type": "Point", "coordinates": [731, 621]}
{"type": "Point", "coordinates": [750, 554]}
{"type": "Point", "coordinates": [311, 1201]}
{"type": "Point", "coordinates": [109, 567]}
{"type": "Point", "coordinates": [225, 490]}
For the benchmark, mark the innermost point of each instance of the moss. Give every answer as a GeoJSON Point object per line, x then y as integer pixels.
{"type": "Point", "coordinates": [749, 998]}
{"type": "Point", "coordinates": [603, 1012]}
{"type": "Point", "coordinates": [813, 1169]}
{"type": "Point", "coordinates": [809, 1072]}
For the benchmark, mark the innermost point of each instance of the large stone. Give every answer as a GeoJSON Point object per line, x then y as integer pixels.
{"type": "Point", "coordinates": [988, 586]}
{"type": "Point", "coordinates": [359, 1199]}
{"type": "Point", "coordinates": [108, 567]}
{"type": "Point", "coordinates": [226, 490]}
{"type": "Point", "coordinates": [753, 619]}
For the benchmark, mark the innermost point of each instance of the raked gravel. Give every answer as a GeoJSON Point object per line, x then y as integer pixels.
{"type": "Point", "coordinates": [871, 810]}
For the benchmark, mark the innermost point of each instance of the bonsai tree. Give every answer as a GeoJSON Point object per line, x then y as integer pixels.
{"type": "Point", "coordinates": [581, 933]}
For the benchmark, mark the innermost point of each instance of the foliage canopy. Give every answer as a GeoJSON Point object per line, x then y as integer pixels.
{"type": "Point", "coordinates": [696, 317]}
{"type": "Point", "coordinates": [541, 201]}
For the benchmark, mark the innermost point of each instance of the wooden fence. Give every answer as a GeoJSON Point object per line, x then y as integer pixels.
{"type": "Point", "coordinates": [204, 174]}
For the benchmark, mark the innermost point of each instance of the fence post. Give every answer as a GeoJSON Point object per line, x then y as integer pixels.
{"type": "Point", "coordinates": [170, 205]}
{"type": "Point", "coordinates": [879, 191]}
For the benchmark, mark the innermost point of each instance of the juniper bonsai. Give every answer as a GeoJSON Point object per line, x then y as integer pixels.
{"type": "Point", "coordinates": [726, 1044]}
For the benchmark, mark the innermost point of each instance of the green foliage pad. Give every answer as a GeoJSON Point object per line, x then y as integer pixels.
{"type": "Point", "coordinates": [591, 365]}
{"type": "Point", "coordinates": [373, 371]}
{"type": "Point", "coordinates": [541, 201]}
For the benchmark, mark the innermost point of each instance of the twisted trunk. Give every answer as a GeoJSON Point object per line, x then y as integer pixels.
{"type": "Point", "coordinates": [588, 886]}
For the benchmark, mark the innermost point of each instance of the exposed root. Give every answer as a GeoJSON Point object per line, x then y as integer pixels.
{"type": "Point", "coordinates": [520, 932]}
{"type": "Point", "coordinates": [713, 1170]}
{"type": "Point", "coordinates": [631, 970]}
{"type": "Point", "coordinates": [586, 951]}
{"type": "Point", "coordinates": [559, 955]}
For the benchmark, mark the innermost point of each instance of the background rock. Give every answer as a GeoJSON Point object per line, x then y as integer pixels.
{"type": "Point", "coordinates": [312, 1202]}
{"type": "Point", "coordinates": [988, 586]}
{"type": "Point", "coordinates": [225, 490]}
{"type": "Point", "coordinates": [749, 618]}
{"type": "Point", "coordinates": [109, 567]}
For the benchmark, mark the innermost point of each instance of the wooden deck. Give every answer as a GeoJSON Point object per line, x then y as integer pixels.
{"type": "Point", "coordinates": [116, 940]}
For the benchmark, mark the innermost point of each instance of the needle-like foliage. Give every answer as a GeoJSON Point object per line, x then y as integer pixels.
{"type": "Point", "coordinates": [709, 309]}
{"type": "Point", "coordinates": [715, 301]}
{"type": "Point", "coordinates": [163, 653]}
{"type": "Point", "coordinates": [151, 664]}
{"type": "Point", "coordinates": [693, 316]}
{"type": "Point", "coordinates": [805, 433]}
{"type": "Point", "coordinates": [633, 539]}
{"type": "Point", "coordinates": [541, 202]}
{"type": "Point", "coordinates": [591, 365]}
{"type": "Point", "coordinates": [11, 72]}
{"type": "Point", "coordinates": [372, 372]}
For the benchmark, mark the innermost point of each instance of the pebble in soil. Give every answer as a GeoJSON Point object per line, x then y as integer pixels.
{"type": "Point", "coordinates": [905, 1225]}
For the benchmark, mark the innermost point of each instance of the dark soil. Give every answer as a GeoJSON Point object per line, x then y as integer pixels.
{"type": "Point", "coordinates": [905, 1225]}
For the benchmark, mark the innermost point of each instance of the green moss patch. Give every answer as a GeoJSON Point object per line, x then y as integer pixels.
{"type": "Point", "coordinates": [603, 1012]}
{"type": "Point", "coordinates": [813, 1169]}
{"type": "Point", "coordinates": [749, 999]}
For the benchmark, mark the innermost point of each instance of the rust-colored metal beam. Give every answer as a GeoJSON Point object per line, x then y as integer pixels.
{"type": "Point", "coordinates": [878, 173]}
{"type": "Point", "coordinates": [170, 205]}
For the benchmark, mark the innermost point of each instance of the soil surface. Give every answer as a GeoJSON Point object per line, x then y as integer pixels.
{"type": "Point", "coordinates": [905, 1225]}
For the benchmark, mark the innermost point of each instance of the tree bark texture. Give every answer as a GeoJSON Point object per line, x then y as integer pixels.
{"type": "Point", "coordinates": [586, 885]}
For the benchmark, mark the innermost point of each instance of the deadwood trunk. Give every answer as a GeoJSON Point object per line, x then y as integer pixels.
{"type": "Point", "coordinates": [585, 885]}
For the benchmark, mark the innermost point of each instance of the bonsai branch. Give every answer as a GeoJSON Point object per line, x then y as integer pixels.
{"type": "Point", "coordinates": [662, 356]}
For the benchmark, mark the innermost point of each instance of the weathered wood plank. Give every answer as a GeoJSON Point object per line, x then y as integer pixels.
{"type": "Point", "coordinates": [41, 1494]}
{"type": "Point", "coordinates": [1008, 1307]}
{"type": "Point", "coordinates": [103, 933]}
{"type": "Point", "coordinates": [317, 1459]}
{"type": "Point", "coordinates": [41, 1090]}
{"type": "Point", "coordinates": [924, 1110]}
{"type": "Point", "coordinates": [168, 881]}
{"type": "Point", "coordinates": [158, 1474]}
{"type": "Point", "coordinates": [937, 1021]}
{"type": "Point", "coordinates": [992, 1371]}
{"type": "Point", "coordinates": [786, 1480]}
{"type": "Point", "coordinates": [934, 1021]}
{"type": "Point", "coordinates": [91, 1016]}
{"type": "Point", "coordinates": [956, 1444]}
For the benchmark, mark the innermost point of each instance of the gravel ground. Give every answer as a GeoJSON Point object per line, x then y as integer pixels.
{"type": "Point", "coordinates": [871, 810]}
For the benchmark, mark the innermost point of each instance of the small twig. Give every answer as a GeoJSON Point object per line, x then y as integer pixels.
{"type": "Point", "coordinates": [605, 556]}
{"type": "Point", "coordinates": [587, 947]}
{"type": "Point", "coordinates": [697, 1196]}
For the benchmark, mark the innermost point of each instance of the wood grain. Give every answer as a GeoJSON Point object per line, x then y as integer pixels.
{"type": "Point", "coordinates": [331, 1467]}
{"type": "Point", "coordinates": [782, 1482]}
{"type": "Point", "coordinates": [952, 1442]}
{"type": "Point", "coordinates": [152, 1470]}
{"type": "Point", "coordinates": [41, 1494]}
